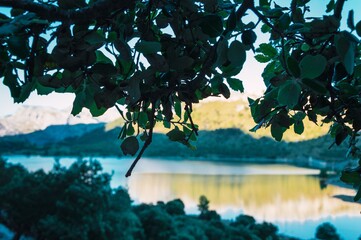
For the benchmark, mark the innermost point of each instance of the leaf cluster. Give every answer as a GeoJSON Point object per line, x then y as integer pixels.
{"type": "Point", "coordinates": [154, 59]}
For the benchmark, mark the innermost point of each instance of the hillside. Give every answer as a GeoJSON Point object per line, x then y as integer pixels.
{"type": "Point", "coordinates": [224, 134]}
{"type": "Point", "coordinates": [213, 115]}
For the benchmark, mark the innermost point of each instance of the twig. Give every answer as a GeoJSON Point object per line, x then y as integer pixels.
{"type": "Point", "coordinates": [97, 10]}
{"type": "Point", "coordinates": [191, 120]}
{"type": "Point", "coordinates": [146, 143]}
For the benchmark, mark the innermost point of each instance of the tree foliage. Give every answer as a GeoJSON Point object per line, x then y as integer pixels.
{"type": "Point", "coordinates": [78, 203]}
{"type": "Point", "coordinates": [154, 59]}
{"type": "Point", "coordinates": [74, 203]}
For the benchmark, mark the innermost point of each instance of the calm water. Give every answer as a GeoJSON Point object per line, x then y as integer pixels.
{"type": "Point", "coordinates": [287, 196]}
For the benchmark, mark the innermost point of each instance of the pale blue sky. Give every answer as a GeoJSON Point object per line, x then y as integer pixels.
{"type": "Point", "coordinates": [250, 75]}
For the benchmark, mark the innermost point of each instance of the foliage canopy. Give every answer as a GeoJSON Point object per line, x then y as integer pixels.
{"type": "Point", "coordinates": [157, 58]}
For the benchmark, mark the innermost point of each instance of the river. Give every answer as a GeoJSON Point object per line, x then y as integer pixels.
{"type": "Point", "coordinates": [290, 197]}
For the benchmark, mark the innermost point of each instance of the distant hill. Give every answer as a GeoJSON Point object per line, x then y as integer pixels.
{"type": "Point", "coordinates": [224, 134]}
{"type": "Point", "coordinates": [28, 119]}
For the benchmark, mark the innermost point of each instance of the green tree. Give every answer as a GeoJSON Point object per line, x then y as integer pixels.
{"type": "Point", "coordinates": [157, 58]}
{"type": "Point", "coordinates": [327, 231]}
{"type": "Point", "coordinates": [203, 205]}
{"type": "Point", "coordinates": [74, 203]}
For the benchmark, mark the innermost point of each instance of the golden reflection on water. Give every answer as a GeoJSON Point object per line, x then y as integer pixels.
{"type": "Point", "coordinates": [266, 197]}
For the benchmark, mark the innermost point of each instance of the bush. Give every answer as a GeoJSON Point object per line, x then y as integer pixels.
{"type": "Point", "coordinates": [327, 231]}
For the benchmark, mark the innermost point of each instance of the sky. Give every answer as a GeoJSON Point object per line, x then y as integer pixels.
{"type": "Point", "coordinates": [250, 74]}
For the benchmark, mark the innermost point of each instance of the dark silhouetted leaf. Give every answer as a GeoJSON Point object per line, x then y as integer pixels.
{"type": "Point", "coordinates": [289, 94]}
{"type": "Point", "coordinates": [358, 28]}
{"type": "Point", "coordinates": [298, 127]}
{"type": "Point", "coordinates": [308, 66]}
{"type": "Point", "coordinates": [292, 65]}
{"type": "Point", "coordinates": [276, 132]}
{"type": "Point", "coordinates": [350, 20]}
{"type": "Point", "coordinates": [18, 46]}
{"type": "Point", "coordinates": [346, 50]}
{"type": "Point", "coordinates": [268, 50]}
{"type": "Point", "coordinates": [130, 146]}
{"type": "Point", "coordinates": [248, 37]}
{"type": "Point", "coordinates": [236, 54]}
{"type": "Point", "coordinates": [212, 25]}
{"type": "Point", "coordinates": [176, 135]}
{"type": "Point", "coordinates": [147, 47]}
{"type": "Point", "coordinates": [262, 58]}
{"type": "Point", "coordinates": [224, 90]}
{"type": "Point", "coordinates": [235, 84]}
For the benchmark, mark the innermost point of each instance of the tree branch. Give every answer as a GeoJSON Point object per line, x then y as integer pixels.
{"type": "Point", "coordinates": [100, 9]}
{"type": "Point", "coordinates": [247, 4]}
{"type": "Point", "coordinates": [146, 143]}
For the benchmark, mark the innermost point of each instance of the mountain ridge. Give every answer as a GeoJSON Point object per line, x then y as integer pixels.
{"type": "Point", "coordinates": [28, 119]}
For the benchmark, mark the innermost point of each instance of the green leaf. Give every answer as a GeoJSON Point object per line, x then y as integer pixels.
{"type": "Point", "coordinates": [248, 37]}
{"type": "Point", "coordinates": [133, 89]}
{"type": "Point", "coordinates": [212, 25]}
{"type": "Point", "coordinates": [341, 136]}
{"type": "Point", "coordinates": [351, 176]}
{"type": "Point", "coordinates": [176, 135]}
{"type": "Point", "coordinates": [130, 146]}
{"type": "Point", "coordinates": [178, 108]}
{"type": "Point", "coordinates": [130, 129]}
{"type": "Point", "coordinates": [43, 90]}
{"type": "Point", "coordinates": [262, 58]}
{"type": "Point", "coordinates": [18, 46]}
{"type": "Point", "coordinates": [268, 50]}
{"type": "Point", "coordinates": [298, 127]}
{"type": "Point", "coordinates": [78, 103]}
{"type": "Point", "coordinates": [330, 6]}
{"type": "Point", "coordinates": [231, 21]}
{"type": "Point", "coordinates": [284, 21]}
{"type": "Point", "coordinates": [142, 119]}
{"type": "Point", "coordinates": [299, 116]}
{"type": "Point", "coordinates": [276, 132]}
{"type": "Point", "coordinates": [358, 195]}
{"type": "Point", "coordinates": [289, 94]}
{"type": "Point", "coordinates": [292, 65]}
{"type": "Point", "coordinates": [265, 28]}
{"type": "Point", "coordinates": [11, 81]}
{"type": "Point", "coordinates": [305, 47]}
{"type": "Point", "coordinates": [148, 47]}
{"type": "Point", "coordinates": [350, 20]}
{"type": "Point", "coordinates": [104, 69]}
{"type": "Point", "coordinates": [235, 84]}
{"type": "Point", "coordinates": [308, 66]}
{"type": "Point", "coordinates": [315, 85]}
{"type": "Point", "coordinates": [346, 49]}
{"type": "Point", "coordinates": [236, 54]}
{"type": "Point", "coordinates": [71, 4]}
{"type": "Point", "coordinates": [95, 111]}
{"type": "Point", "coordinates": [264, 3]}
{"type": "Point", "coordinates": [222, 50]}
{"type": "Point", "coordinates": [224, 90]}
{"type": "Point", "coordinates": [101, 58]}
{"type": "Point", "coordinates": [358, 28]}
{"type": "Point", "coordinates": [95, 37]}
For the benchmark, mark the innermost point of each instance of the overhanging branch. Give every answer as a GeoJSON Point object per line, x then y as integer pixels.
{"type": "Point", "coordinates": [99, 9]}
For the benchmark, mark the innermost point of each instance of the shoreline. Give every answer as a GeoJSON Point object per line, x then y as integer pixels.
{"type": "Point", "coordinates": [306, 162]}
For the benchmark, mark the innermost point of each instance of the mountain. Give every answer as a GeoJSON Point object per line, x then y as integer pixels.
{"type": "Point", "coordinates": [28, 119]}
{"type": "Point", "coordinates": [224, 133]}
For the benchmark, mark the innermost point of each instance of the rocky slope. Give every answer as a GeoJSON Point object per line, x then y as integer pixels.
{"type": "Point", "coordinates": [29, 119]}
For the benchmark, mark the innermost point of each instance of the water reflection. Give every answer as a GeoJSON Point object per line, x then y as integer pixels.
{"type": "Point", "coordinates": [280, 198]}
{"type": "Point", "coordinates": [292, 198]}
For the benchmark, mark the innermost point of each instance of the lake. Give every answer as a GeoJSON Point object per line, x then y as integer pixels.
{"type": "Point", "coordinates": [290, 197]}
